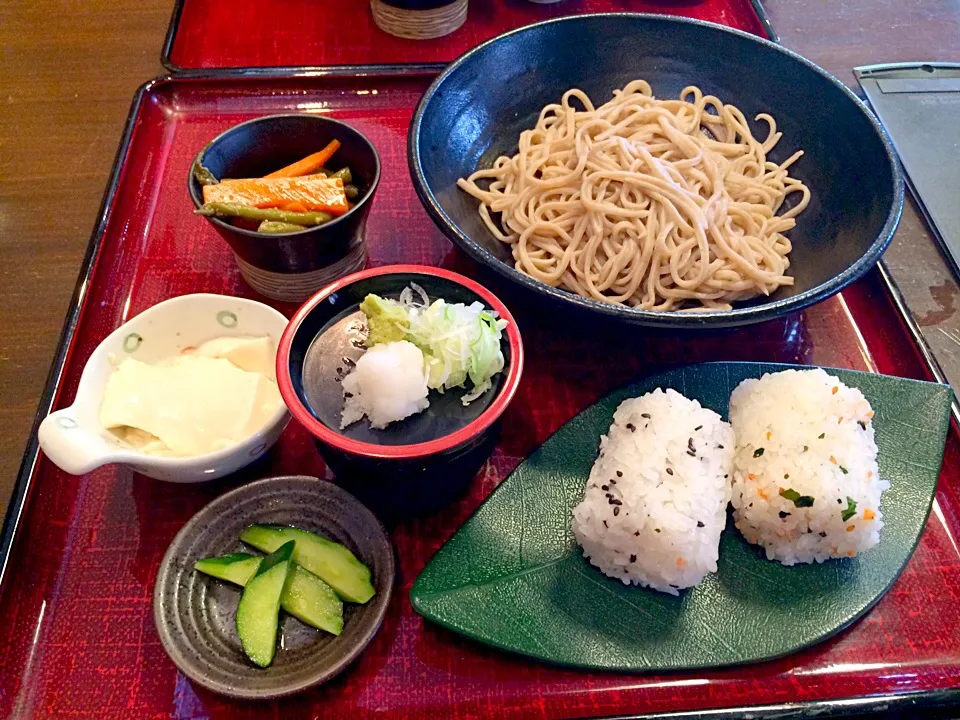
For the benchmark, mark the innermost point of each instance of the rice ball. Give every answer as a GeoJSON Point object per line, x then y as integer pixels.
{"type": "Point", "coordinates": [806, 486]}
{"type": "Point", "coordinates": [656, 499]}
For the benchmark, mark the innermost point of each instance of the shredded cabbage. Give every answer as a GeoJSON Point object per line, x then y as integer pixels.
{"type": "Point", "coordinates": [458, 341]}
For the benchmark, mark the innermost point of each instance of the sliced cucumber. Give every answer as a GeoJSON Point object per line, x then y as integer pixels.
{"type": "Point", "coordinates": [306, 597]}
{"type": "Point", "coordinates": [237, 568]}
{"type": "Point", "coordinates": [310, 599]}
{"type": "Point", "coordinates": [330, 561]}
{"type": "Point", "coordinates": [259, 609]}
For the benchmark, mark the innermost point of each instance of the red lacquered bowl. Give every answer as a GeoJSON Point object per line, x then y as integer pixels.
{"type": "Point", "coordinates": [420, 464]}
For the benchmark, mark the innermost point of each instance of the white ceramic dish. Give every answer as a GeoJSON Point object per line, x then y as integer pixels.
{"type": "Point", "coordinates": [75, 441]}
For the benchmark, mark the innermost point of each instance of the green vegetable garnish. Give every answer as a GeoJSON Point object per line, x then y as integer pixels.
{"type": "Point", "coordinates": [843, 469]}
{"type": "Point", "coordinates": [276, 228]}
{"type": "Point", "coordinates": [758, 452]}
{"type": "Point", "coordinates": [386, 319]}
{"type": "Point", "coordinates": [821, 436]}
{"type": "Point", "coordinates": [458, 341]}
{"type": "Point", "coordinates": [202, 175]}
{"type": "Point", "coordinates": [232, 210]}
{"type": "Point", "coordinates": [344, 174]}
{"type": "Point", "coordinates": [850, 511]}
{"type": "Point", "coordinates": [796, 498]}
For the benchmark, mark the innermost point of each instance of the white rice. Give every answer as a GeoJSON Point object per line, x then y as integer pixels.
{"type": "Point", "coordinates": [806, 432]}
{"type": "Point", "coordinates": [655, 503]}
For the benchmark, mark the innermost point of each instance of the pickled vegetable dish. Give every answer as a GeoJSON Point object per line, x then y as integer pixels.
{"type": "Point", "coordinates": [305, 575]}
{"type": "Point", "coordinates": [295, 197]}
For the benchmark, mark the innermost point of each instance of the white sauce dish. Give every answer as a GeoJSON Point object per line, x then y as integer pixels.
{"type": "Point", "coordinates": [75, 439]}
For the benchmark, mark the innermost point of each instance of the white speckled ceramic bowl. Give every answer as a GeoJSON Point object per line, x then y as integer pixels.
{"type": "Point", "coordinates": [75, 441]}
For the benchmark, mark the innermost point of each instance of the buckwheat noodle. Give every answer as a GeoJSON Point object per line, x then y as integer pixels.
{"type": "Point", "coordinates": [657, 204]}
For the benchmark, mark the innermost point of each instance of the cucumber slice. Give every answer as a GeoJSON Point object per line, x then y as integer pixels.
{"type": "Point", "coordinates": [258, 613]}
{"type": "Point", "coordinates": [311, 600]}
{"type": "Point", "coordinates": [330, 561]}
{"type": "Point", "coordinates": [237, 568]}
{"type": "Point", "coordinates": [306, 597]}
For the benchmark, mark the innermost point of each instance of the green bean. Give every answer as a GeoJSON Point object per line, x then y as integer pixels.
{"type": "Point", "coordinates": [273, 227]}
{"type": "Point", "coordinates": [304, 219]}
{"type": "Point", "coordinates": [351, 191]}
{"type": "Point", "coordinates": [344, 175]}
{"type": "Point", "coordinates": [202, 175]}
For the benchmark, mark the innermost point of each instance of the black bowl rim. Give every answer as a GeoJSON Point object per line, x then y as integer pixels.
{"type": "Point", "coordinates": [652, 318]}
{"type": "Point", "coordinates": [368, 195]}
{"type": "Point", "coordinates": [437, 446]}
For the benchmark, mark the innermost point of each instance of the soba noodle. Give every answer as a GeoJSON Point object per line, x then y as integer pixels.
{"type": "Point", "coordinates": [657, 204]}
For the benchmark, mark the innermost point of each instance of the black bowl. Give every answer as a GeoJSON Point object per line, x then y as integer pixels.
{"type": "Point", "coordinates": [293, 266]}
{"type": "Point", "coordinates": [420, 464]}
{"type": "Point", "coordinates": [476, 109]}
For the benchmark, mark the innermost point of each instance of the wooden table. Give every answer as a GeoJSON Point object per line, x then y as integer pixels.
{"type": "Point", "coordinates": [68, 71]}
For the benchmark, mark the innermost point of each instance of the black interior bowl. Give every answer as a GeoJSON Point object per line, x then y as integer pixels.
{"type": "Point", "coordinates": [260, 146]}
{"type": "Point", "coordinates": [477, 108]}
{"type": "Point", "coordinates": [413, 466]}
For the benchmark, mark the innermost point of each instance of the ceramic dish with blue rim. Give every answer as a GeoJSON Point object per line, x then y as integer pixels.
{"type": "Point", "coordinates": [784, 576]}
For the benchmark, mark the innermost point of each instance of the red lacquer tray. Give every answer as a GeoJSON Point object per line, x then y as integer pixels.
{"type": "Point", "coordinates": [277, 33]}
{"type": "Point", "coordinates": [77, 638]}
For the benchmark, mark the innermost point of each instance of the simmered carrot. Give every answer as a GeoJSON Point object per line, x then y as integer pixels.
{"type": "Point", "coordinates": [291, 205]}
{"type": "Point", "coordinates": [304, 194]}
{"type": "Point", "coordinates": [313, 176]}
{"type": "Point", "coordinates": [309, 164]}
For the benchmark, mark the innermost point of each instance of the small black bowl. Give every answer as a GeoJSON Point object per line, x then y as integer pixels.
{"type": "Point", "coordinates": [465, 121]}
{"type": "Point", "coordinates": [293, 266]}
{"type": "Point", "coordinates": [420, 464]}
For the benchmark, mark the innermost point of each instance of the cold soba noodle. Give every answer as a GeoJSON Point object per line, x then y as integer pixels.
{"type": "Point", "coordinates": [657, 204]}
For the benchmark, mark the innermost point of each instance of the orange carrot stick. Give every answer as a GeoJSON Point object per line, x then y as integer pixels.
{"type": "Point", "coordinates": [308, 165]}
{"type": "Point", "coordinates": [314, 195]}
{"type": "Point", "coordinates": [312, 176]}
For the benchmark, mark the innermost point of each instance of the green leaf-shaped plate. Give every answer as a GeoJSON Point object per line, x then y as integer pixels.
{"type": "Point", "coordinates": [513, 576]}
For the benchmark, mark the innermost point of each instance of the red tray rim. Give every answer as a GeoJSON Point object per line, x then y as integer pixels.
{"type": "Point", "coordinates": [887, 705]}
{"type": "Point", "coordinates": [173, 27]}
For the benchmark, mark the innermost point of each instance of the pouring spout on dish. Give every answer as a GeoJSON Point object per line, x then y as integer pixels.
{"type": "Point", "coordinates": [75, 447]}
{"type": "Point", "coordinates": [224, 335]}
